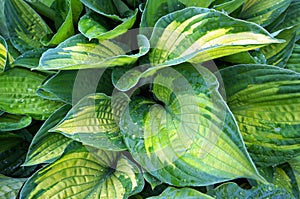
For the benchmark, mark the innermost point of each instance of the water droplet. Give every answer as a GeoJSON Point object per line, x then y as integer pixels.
{"type": "Point", "coordinates": [277, 129]}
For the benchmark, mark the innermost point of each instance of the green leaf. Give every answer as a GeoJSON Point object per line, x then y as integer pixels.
{"type": "Point", "coordinates": [261, 191]}
{"type": "Point", "coordinates": [94, 26]}
{"type": "Point", "coordinates": [9, 122]}
{"type": "Point", "coordinates": [17, 88]}
{"type": "Point", "coordinates": [78, 53]}
{"type": "Point", "coordinates": [203, 3]}
{"type": "Point", "coordinates": [78, 84]}
{"type": "Point", "coordinates": [294, 61]}
{"type": "Point", "coordinates": [93, 122]}
{"type": "Point", "coordinates": [228, 6]}
{"type": "Point", "coordinates": [279, 54]}
{"type": "Point", "coordinates": [188, 137]}
{"type": "Point", "coordinates": [264, 101]}
{"type": "Point", "coordinates": [85, 173]}
{"type": "Point", "coordinates": [72, 8]}
{"type": "Point", "coordinates": [116, 9]}
{"type": "Point", "coordinates": [290, 18]}
{"type": "Point", "coordinates": [26, 27]}
{"type": "Point", "coordinates": [263, 12]}
{"type": "Point", "coordinates": [4, 54]}
{"type": "Point", "coordinates": [29, 59]}
{"type": "Point", "coordinates": [197, 35]}
{"type": "Point", "coordinates": [252, 57]}
{"type": "Point", "coordinates": [186, 193]}
{"type": "Point", "coordinates": [295, 165]}
{"type": "Point", "coordinates": [281, 179]}
{"type": "Point", "coordinates": [13, 152]}
{"type": "Point", "coordinates": [9, 187]}
{"type": "Point", "coordinates": [45, 146]}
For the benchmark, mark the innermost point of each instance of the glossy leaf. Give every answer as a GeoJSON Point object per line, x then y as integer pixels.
{"type": "Point", "coordinates": [197, 35]}
{"type": "Point", "coordinates": [263, 12]}
{"type": "Point", "coordinates": [26, 27]}
{"type": "Point", "coordinates": [295, 165]}
{"type": "Point", "coordinates": [232, 190]}
{"type": "Point", "coordinates": [9, 140]}
{"type": "Point", "coordinates": [182, 139]}
{"type": "Point", "coordinates": [17, 88]}
{"type": "Point", "coordinates": [9, 187]}
{"type": "Point", "coordinates": [78, 53]}
{"type": "Point", "coordinates": [294, 61]}
{"type": "Point", "coordinates": [78, 84]}
{"type": "Point", "coordinates": [187, 193]}
{"type": "Point", "coordinates": [264, 101]}
{"type": "Point", "coordinates": [94, 26]}
{"type": "Point", "coordinates": [9, 122]}
{"type": "Point", "coordinates": [45, 146]}
{"type": "Point", "coordinates": [279, 54]}
{"type": "Point", "coordinates": [93, 122]}
{"type": "Point", "coordinates": [85, 173]}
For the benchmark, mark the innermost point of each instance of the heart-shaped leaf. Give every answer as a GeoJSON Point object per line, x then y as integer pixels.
{"type": "Point", "coordinates": [85, 173]}
{"type": "Point", "coordinates": [264, 100]}
{"type": "Point", "coordinates": [79, 53]}
{"type": "Point", "coordinates": [93, 122]}
{"type": "Point", "coordinates": [187, 137]}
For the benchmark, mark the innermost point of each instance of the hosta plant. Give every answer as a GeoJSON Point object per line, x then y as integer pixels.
{"type": "Point", "coordinates": [149, 99]}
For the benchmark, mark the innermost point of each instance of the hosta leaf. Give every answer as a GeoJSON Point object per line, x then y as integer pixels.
{"type": "Point", "coordinates": [188, 138]}
{"type": "Point", "coordinates": [73, 9]}
{"type": "Point", "coordinates": [187, 193]}
{"type": "Point", "coordinates": [197, 35]}
{"type": "Point", "coordinates": [262, 191]}
{"type": "Point", "coordinates": [9, 122]}
{"type": "Point", "coordinates": [17, 88]}
{"type": "Point", "coordinates": [203, 4]}
{"type": "Point", "coordinates": [291, 17]}
{"type": "Point", "coordinates": [29, 59]}
{"type": "Point", "coordinates": [116, 10]}
{"type": "Point", "coordinates": [294, 61]}
{"type": "Point", "coordinates": [83, 173]}
{"type": "Point", "coordinates": [93, 26]}
{"type": "Point", "coordinates": [295, 165]}
{"type": "Point", "coordinates": [263, 12]}
{"type": "Point", "coordinates": [279, 54]}
{"type": "Point", "coordinates": [78, 53]}
{"type": "Point", "coordinates": [3, 54]}
{"type": "Point", "coordinates": [228, 6]}
{"type": "Point", "coordinates": [26, 27]}
{"type": "Point", "coordinates": [9, 187]}
{"type": "Point", "coordinates": [45, 146]}
{"type": "Point", "coordinates": [252, 57]}
{"type": "Point", "coordinates": [78, 84]}
{"type": "Point", "coordinates": [281, 179]}
{"type": "Point", "coordinates": [264, 101]}
{"type": "Point", "coordinates": [13, 153]}
{"type": "Point", "coordinates": [93, 122]}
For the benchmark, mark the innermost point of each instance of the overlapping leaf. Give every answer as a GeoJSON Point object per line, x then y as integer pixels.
{"type": "Point", "coordinates": [264, 100]}
{"type": "Point", "coordinates": [294, 61]}
{"type": "Point", "coordinates": [9, 122]}
{"type": "Point", "coordinates": [45, 146]}
{"type": "Point", "coordinates": [263, 12]}
{"type": "Point", "coordinates": [3, 54]}
{"type": "Point", "coordinates": [78, 53]}
{"type": "Point", "coordinates": [102, 130]}
{"type": "Point", "coordinates": [183, 139]}
{"type": "Point", "coordinates": [228, 6]}
{"type": "Point", "coordinates": [197, 35]}
{"type": "Point", "coordinates": [9, 187]}
{"type": "Point", "coordinates": [17, 88]}
{"type": "Point", "coordinates": [29, 59]}
{"type": "Point", "coordinates": [86, 173]}
{"type": "Point", "coordinates": [26, 27]}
